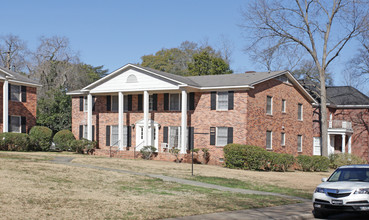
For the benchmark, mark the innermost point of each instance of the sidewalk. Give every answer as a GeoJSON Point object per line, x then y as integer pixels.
{"type": "Point", "coordinates": [293, 211]}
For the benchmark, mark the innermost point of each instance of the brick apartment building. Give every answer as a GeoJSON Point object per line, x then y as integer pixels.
{"type": "Point", "coordinates": [136, 106]}
{"type": "Point", "coordinates": [18, 102]}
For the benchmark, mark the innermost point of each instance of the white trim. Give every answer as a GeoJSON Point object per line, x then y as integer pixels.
{"type": "Point", "coordinates": [146, 116]}
{"type": "Point", "coordinates": [302, 112]}
{"type": "Point", "coordinates": [216, 137]}
{"type": "Point", "coordinates": [25, 83]}
{"type": "Point", "coordinates": [271, 105]}
{"type": "Point", "coordinates": [5, 105]}
{"type": "Point", "coordinates": [183, 98]}
{"type": "Point", "coordinates": [352, 106]}
{"type": "Point", "coordinates": [224, 87]}
{"type": "Point", "coordinates": [89, 117]}
{"type": "Point", "coordinates": [217, 101]}
{"type": "Point", "coordinates": [120, 119]}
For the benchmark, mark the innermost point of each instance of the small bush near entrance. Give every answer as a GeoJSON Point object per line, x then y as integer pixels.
{"type": "Point", "coordinates": [15, 142]}
{"type": "Point", "coordinates": [63, 139]}
{"type": "Point", "coordinates": [147, 152]}
{"type": "Point", "coordinates": [337, 160]}
{"type": "Point", "coordinates": [41, 137]}
{"type": "Point", "coordinates": [82, 146]}
{"type": "Point", "coordinates": [313, 163]}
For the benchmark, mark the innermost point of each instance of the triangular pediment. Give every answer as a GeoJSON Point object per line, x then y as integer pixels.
{"type": "Point", "coordinates": [130, 78]}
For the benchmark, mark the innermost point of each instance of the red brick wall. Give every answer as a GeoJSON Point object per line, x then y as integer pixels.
{"type": "Point", "coordinates": [360, 123]}
{"type": "Point", "coordinates": [26, 109]}
{"type": "Point", "coordinates": [258, 122]}
{"type": "Point", "coordinates": [248, 119]}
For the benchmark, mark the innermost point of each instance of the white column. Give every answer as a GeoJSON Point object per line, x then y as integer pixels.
{"type": "Point", "coordinates": [89, 117]}
{"type": "Point", "coordinates": [5, 105]}
{"type": "Point", "coordinates": [120, 119]}
{"type": "Point", "coordinates": [184, 122]}
{"type": "Point", "coordinates": [328, 144]}
{"type": "Point", "coordinates": [344, 143]}
{"type": "Point", "coordinates": [146, 118]}
{"type": "Point", "coordinates": [349, 145]}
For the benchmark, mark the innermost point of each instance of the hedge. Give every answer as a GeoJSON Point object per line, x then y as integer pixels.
{"type": "Point", "coordinates": [63, 139]}
{"type": "Point", "coordinates": [82, 146]}
{"type": "Point", "coordinates": [15, 142]}
{"type": "Point", "coordinates": [41, 137]}
{"type": "Point", "coordinates": [337, 160]}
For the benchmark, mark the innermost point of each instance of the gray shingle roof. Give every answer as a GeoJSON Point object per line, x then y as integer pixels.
{"type": "Point", "coordinates": [346, 95]}
{"type": "Point", "coordinates": [220, 80]}
{"type": "Point", "coordinates": [19, 77]}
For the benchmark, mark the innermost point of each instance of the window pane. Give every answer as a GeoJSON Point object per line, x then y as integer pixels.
{"type": "Point", "coordinates": [269, 105]}
{"type": "Point", "coordinates": [125, 136]}
{"type": "Point", "coordinates": [125, 107]}
{"type": "Point", "coordinates": [222, 100]}
{"type": "Point", "coordinates": [15, 124]}
{"type": "Point", "coordinates": [299, 143]}
{"type": "Point", "coordinates": [269, 140]}
{"type": "Point", "coordinates": [114, 135]}
{"type": "Point", "coordinates": [222, 136]}
{"type": "Point", "coordinates": [174, 102]}
{"type": "Point", "coordinates": [114, 103]}
{"type": "Point", "coordinates": [85, 131]}
{"type": "Point", "coordinates": [173, 137]}
{"type": "Point", "coordinates": [151, 102]}
{"type": "Point", "coordinates": [299, 113]}
{"type": "Point", "coordinates": [15, 93]}
{"type": "Point", "coordinates": [283, 139]}
{"type": "Point", "coordinates": [283, 105]}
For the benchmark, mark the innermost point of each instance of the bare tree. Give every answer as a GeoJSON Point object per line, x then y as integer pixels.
{"type": "Point", "coordinates": [13, 53]}
{"type": "Point", "coordinates": [321, 28]}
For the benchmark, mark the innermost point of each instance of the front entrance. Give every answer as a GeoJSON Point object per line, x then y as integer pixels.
{"type": "Point", "coordinates": [153, 134]}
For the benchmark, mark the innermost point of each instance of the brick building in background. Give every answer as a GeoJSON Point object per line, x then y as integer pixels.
{"type": "Point", "coordinates": [137, 106]}
{"type": "Point", "coordinates": [18, 102]}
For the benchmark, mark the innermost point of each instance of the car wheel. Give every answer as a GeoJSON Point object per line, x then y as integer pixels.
{"type": "Point", "coordinates": [319, 214]}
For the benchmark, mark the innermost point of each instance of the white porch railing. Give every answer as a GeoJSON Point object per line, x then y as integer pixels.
{"type": "Point", "coordinates": [340, 124]}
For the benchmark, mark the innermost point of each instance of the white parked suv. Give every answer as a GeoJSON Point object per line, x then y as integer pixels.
{"type": "Point", "coordinates": [347, 189]}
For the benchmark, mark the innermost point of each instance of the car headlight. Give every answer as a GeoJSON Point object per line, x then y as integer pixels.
{"type": "Point", "coordinates": [319, 190]}
{"type": "Point", "coordinates": [362, 191]}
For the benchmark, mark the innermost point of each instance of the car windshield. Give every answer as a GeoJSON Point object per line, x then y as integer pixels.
{"type": "Point", "coordinates": [350, 174]}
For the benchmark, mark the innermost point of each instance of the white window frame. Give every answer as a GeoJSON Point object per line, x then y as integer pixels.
{"type": "Point", "coordinates": [299, 148]}
{"type": "Point", "coordinates": [302, 112]}
{"type": "Point", "coordinates": [170, 130]}
{"type": "Point", "coordinates": [217, 137]}
{"type": "Point", "coordinates": [85, 134]}
{"type": "Point", "coordinates": [179, 102]}
{"type": "Point", "coordinates": [283, 139]}
{"type": "Point", "coordinates": [319, 140]}
{"type": "Point", "coordinates": [284, 105]}
{"type": "Point", "coordinates": [271, 105]}
{"type": "Point", "coordinates": [17, 96]}
{"type": "Point", "coordinates": [85, 107]}
{"type": "Point", "coordinates": [20, 124]}
{"type": "Point", "coordinates": [271, 140]}
{"type": "Point", "coordinates": [226, 93]}
{"type": "Point", "coordinates": [125, 134]}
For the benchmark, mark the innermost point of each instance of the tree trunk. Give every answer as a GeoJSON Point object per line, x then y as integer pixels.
{"type": "Point", "coordinates": [323, 112]}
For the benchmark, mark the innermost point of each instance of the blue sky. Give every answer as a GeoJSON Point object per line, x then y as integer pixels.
{"type": "Point", "coordinates": [114, 33]}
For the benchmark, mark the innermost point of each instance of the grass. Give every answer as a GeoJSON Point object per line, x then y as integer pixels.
{"type": "Point", "coordinates": [31, 187]}
{"type": "Point", "coordinates": [235, 183]}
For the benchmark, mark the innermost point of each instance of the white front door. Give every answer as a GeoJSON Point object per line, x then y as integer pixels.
{"type": "Point", "coordinates": [152, 137]}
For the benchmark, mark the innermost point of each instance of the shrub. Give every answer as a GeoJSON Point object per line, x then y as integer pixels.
{"type": "Point", "coordinates": [279, 162]}
{"type": "Point", "coordinates": [320, 163]}
{"type": "Point", "coordinates": [41, 137]}
{"type": "Point", "coordinates": [63, 139]}
{"type": "Point", "coordinates": [15, 142]}
{"type": "Point", "coordinates": [305, 162]}
{"type": "Point", "coordinates": [82, 146]}
{"type": "Point", "coordinates": [245, 156]}
{"type": "Point", "coordinates": [206, 154]}
{"type": "Point", "coordinates": [337, 160]}
{"type": "Point", "coordinates": [147, 152]}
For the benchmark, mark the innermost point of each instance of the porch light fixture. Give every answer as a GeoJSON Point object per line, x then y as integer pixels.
{"type": "Point", "coordinates": [133, 126]}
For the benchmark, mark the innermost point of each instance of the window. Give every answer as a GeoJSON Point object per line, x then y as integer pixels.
{"type": "Point", "coordinates": [284, 105]}
{"type": "Point", "coordinates": [299, 143]}
{"type": "Point", "coordinates": [114, 103]}
{"type": "Point", "coordinates": [15, 93]}
{"type": "Point", "coordinates": [151, 102]}
{"type": "Point", "coordinates": [174, 102]}
{"type": "Point", "coordinates": [283, 139]}
{"type": "Point", "coordinates": [222, 103]}
{"type": "Point", "coordinates": [269, 106]}
{"type": "Point", "coordinates": [174, 137]}
{"type": "Point", "coordinates": [222, 136]}
{"type": "Point", "coordinates": [299, 112]}
{"type": "Point", "coordinates": [15, 124]}
{"type": "Point", "coordinates": [114, 135]}
{"type": "Point", "coordinates": [84, 132]}
{"type": "Point", "coordinates": [317, 145]}
{"type": "Point", "coordinates": [269, 136]}
{"type": "Point", "coordinates": [85, 104]}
